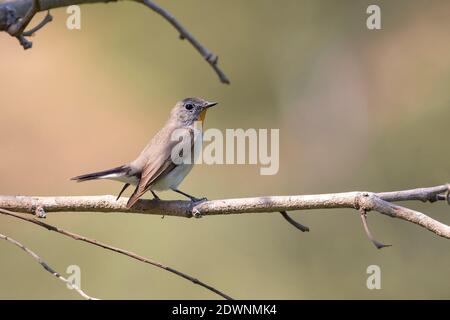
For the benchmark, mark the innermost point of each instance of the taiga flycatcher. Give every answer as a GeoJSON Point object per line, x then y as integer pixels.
{"type": "Point", "coordinates": [154, 169]}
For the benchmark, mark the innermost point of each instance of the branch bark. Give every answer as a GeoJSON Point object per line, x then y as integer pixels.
{"type": "Point", "coordinates": [368, 201]}
{"type": "Point", "coordinates": [15, 15]}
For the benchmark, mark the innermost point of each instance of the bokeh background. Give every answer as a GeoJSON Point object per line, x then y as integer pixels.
{"type": "Point", "coordinates": [357, 110]}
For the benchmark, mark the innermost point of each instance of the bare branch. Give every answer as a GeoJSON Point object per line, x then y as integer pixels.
{"type": "Point", "coordinates": [368, 201]}
{"type": "Point", "coordinates": [430, 194]}
{"type": "Point", "coordinates": [210, 57]}
{"type": "Point", "coordinates": [15, 15]}
{"type": "Point", "coordinates": [410, 215]}
{"type": "Point", "coordinates": [115, 249]}
{"type": "Point", "coordinates": [46, 266]}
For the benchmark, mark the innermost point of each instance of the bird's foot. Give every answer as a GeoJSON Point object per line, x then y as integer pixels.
{"type": "Point", "coordinates": [194, 199]}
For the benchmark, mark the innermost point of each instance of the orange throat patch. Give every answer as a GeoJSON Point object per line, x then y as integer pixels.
{"type": "Point", "coordinates": [202, 115]}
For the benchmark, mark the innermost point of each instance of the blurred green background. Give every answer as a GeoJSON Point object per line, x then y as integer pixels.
{"type": "Point", "coordinates": [357, 110]}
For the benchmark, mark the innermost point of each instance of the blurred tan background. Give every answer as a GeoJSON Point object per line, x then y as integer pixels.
{"type": "Point", "coordinates": [357, 110]}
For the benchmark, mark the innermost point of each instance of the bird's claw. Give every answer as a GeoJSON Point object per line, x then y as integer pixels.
{"type": "Point", "coordinates": [195, 200]}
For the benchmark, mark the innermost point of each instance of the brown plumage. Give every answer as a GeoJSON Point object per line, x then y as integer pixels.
{"type": "Point", "coordinates": [155, 169]}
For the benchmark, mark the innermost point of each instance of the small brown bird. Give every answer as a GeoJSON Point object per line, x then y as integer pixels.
{"type": "Point", "coordinates": [154, 169]}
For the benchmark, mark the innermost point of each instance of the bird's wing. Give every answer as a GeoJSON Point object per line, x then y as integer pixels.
{"type": "Point", "coordinates": [158, 165]}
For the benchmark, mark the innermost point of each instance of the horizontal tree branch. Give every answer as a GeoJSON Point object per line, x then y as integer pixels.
{"type": "Point", "coordinates": [368, 201]}
{"type": "Point", "coordinates": [361, 201]}
{"type": "Point", "coordinates": [15, 15]}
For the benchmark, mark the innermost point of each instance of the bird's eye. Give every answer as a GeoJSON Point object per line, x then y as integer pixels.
{"type": "Point", "coordinates": [189, 106]}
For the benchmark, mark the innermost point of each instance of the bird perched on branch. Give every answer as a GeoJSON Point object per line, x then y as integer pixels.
{"type": "Point", "coordinates": [164, 162]}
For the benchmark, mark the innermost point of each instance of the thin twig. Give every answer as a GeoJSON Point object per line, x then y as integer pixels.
{"type": "Point", "coordinates": [430, 194]}
{"type": "Point", "coordinates": [210, 57]}
{"type": "Point", "coordinates": [299, 226]}
{"type": "Point", "coordinates": [376, 243]}
{"type": "Point", "coordinates": [47, 267]}
{"type": "Point", "coordinates": [115, 249]}
{"type": "Point", "coordinates": [48, 18]}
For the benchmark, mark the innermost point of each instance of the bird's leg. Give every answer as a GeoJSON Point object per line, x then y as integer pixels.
{"type": "Point", "coordinates": [123, 189]}
{"type": "Point", "coordinates": [155, 195]}
{"type": "Point", "coordinates": [193, 199]}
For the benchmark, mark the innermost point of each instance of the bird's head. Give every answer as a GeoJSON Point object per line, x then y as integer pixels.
{"type": "Point", "coordinates": [189, 110]}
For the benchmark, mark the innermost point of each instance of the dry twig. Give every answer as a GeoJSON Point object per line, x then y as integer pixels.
{"type": "Point", "coordinates": [114, 249]}
{"type": "Point", "coordinates": [46, 266]}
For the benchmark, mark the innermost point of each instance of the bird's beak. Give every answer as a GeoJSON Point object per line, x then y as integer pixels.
{"type": "Point", "coordinates": [210, 104]}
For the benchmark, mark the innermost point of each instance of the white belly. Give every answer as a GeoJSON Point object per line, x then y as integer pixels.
{"type": "Point", "coordinates": [172, 179]}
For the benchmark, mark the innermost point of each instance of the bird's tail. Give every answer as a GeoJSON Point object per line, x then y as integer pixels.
{"type": "Point", "coordinates": [106, 174]}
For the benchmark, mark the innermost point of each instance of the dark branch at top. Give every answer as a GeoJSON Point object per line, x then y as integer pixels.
{"type": "Point", "coordinates": [15, 16]}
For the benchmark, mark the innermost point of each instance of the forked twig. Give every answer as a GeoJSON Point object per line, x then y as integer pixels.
{"type": "Point", "coordinates": [17, 28]}
{"type": "Point", "coordinates": [48, 18]}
